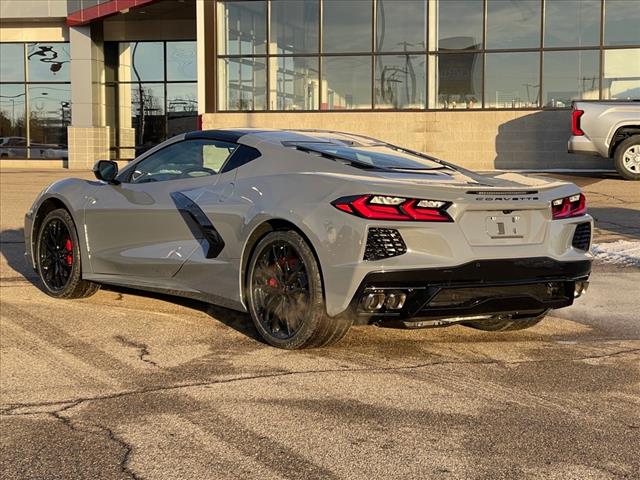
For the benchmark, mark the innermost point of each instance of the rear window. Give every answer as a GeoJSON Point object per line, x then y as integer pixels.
{"type": "Point", "coordinates": [377, 156]}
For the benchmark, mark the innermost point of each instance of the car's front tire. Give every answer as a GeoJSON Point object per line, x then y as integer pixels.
{"type": "Point", "coordinates": [627, 158]}
{"type": "Point", "coordinates": [285, 295]}
{"type": "Point", "coordinates": [58, 261]}
{"type": "Point", "coordinates": [504, 325]}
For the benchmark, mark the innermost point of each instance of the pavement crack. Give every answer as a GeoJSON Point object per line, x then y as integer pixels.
{"type": "Point", "coordinates": [143, 349]}
{"type": "Point", "coordinates": [32, 408]}
{"type": "Point", "coordinates": [123, 462]}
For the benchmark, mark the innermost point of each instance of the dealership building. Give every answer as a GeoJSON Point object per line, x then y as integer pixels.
{"type": "Point", "coordinates": [484, 83]}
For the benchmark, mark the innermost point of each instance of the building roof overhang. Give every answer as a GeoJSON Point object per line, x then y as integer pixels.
{"type": "Point", "coordinates": [104, 10]}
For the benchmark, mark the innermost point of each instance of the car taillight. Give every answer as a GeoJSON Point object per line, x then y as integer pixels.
{"type": "Point", "coordinates": [575, 122]}
{"type": "Point", "coordinates": [568, 207]}
{"type": "Point", "coordinates": [381, 207]}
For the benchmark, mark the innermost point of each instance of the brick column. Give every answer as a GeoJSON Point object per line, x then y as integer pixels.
{"type": "Point", "coordinates": [88, 137]}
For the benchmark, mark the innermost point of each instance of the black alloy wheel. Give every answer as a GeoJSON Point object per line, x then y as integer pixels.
{"type": "Point", "coordinates": [285, 296]}
{"type": "Point", "coordinates": [55, 254]}
{"type": "Point", "coordinates": [280, 290]}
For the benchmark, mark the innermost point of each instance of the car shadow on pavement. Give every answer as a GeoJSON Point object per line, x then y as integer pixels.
{"type": "Point", "coordinates": [623, 221]}
{"type": "Point", "coordinates": [12, 250]}
{"type": "Point", "coordinates": [239, 321]}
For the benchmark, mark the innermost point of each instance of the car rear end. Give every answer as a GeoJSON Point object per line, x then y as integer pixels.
{"type": "Point", "coordinates": [434, 256]}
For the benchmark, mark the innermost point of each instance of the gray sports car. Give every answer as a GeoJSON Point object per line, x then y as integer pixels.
{"type": "Point", "coordinates": [313, 231]}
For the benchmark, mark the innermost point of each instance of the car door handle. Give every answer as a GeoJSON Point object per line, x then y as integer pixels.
{"type": "Point", "coordinates": [227, 191]}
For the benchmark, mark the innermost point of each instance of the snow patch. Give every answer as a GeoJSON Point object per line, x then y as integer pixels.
{"type": "Point", "coordinates": [622, 252]}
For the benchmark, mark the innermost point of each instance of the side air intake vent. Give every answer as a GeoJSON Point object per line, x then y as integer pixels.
{"type": "Point", "coordinates": [582, 237]}
{"type": "Point", "coordinates": [384, 243]}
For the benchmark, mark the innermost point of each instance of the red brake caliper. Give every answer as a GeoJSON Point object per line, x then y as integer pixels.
{"type": "Point", "coordinates": [69, 248]}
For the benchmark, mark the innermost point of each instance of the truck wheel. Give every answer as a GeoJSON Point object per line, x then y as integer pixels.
{"type": "Point", "coordinates": [627, 158]}
{"type": "Point", "coordinates": [499, 325]}
{"type": "Point", "coordinates": [285, 295]}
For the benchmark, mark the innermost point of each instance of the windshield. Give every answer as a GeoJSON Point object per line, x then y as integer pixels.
{"type": "Point", "coordinates": [377, 156]}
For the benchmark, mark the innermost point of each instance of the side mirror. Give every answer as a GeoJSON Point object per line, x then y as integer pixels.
{"type": "Point", "coordinates": [106, 170]}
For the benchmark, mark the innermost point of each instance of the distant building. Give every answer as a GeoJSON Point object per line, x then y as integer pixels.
{"type": "Point", "coordinates": [484, 83]}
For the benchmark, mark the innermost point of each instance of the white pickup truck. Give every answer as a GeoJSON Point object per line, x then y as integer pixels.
{"type": "Point", "coordinates": [610, 129]}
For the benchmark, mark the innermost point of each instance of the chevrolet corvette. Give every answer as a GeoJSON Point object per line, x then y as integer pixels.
{"type": "Point", "coordinates": [313, 231]}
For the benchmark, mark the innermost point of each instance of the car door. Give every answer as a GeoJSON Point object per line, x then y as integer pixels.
{"type": "Point", "coordinates": [149, 224]}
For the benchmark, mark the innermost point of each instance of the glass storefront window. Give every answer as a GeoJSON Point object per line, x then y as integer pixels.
{"type": "Point", "coordinates": [147, 113]}
{"type": "Point", "coordinates": [242, 83]}
{"type": "Point", "coordinates": [459, 24]}
{"type": "Point", "coordinates": [48, 62]}
{"type": "Point", "coordinates": [571, 23]}
{"type": "Point", "coordinates": [512, 80]}
{"type": "Point", "coordinates": [49, 117]}
{"type": "Point", "coordinates": [35, 100]}
{"type": "Point", "coordinates": [182, 108]}
{"type": "Point", "coordinates": [294, 84]}
{"type": "Point", "coordinates": [242, 28]}
{"type": "Point", "coordinates": [346, 83]}
{"type": "Point", "coordinates": [401, 81]}
{"type": "Point", "coordinates": [459, 81]}
{"type": "Point", "coordinates": [621, 74]}
{"type": "Point", "coordinates": [401, 25]}
{"type": "Point", "coordinates": [294, 26]}
{"type": "Point", "coordinates": [12, 114]}
{"type": "Point", "coordinates": [621, 22]}
{"type": "Point", "coordinates": [570, 76]}
{"type": "Point", "coordinates": [141, 62]}
{"type": "Point", "coordinates": [513, 24]}
{"type": "Point", "coordinates": [346, 26]}
{"type": "Point", "coordinates": [11, 62]}
{"type": "Point", "coordinates": [181, 61]}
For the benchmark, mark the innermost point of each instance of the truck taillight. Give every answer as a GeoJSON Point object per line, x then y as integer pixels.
{"type": "Point", "coordinates": [575, 123]}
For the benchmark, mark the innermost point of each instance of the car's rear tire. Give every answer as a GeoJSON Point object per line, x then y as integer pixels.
{"type": "Point", "coordinates": [503, 325]}
{"type": "Point", "coordinates": [285, 295]}
{"type": "Point", "coordinates": [627, 158]}
{"type": "Point", "coordinates": [58, 261]}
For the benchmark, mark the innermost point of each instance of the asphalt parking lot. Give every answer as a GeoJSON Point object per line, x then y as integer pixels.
{"type": "Point", "coordinates": [132, 385]}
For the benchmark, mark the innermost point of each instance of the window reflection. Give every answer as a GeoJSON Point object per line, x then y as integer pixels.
{"type": "Point", "coordinates": [513, 24]}
{"type": "Point", "coordinates": [182, 108]}
{"type": "Point", "coordinates": [459, 24]}
{"type": "Point", "coordinates": [571, 23]}
{"type": "Point", "coordinates": [296, 83]}
{"type": "Point", "coordinates": [13, 140]}
{"type": "Point", "coordinates": [400, 25]}
{"type": "Point", "coordinates": [459, 80]}
{"type": "Point", "coordinates": [141, 62]}
{"type": "Point", "coordinates": [48, 62]}
{"type": "Point", "coordinates": [570, 76]}
{"type": "Point", "coordinates": [181, 61]}
{"type": "Point", "coordinates": [512, 80]}
{"type": "Point", "coordinates": [294, 26]}
{"type": "Point", "coordinates": [400, 81]}
{"type": "Point", "coordinates": [49, 117]}
{"type": "Point", "coordinates": [242, 28]}
{"type": "Point", "coordinates": [622, 22]}
{"type": "Point", "coordinates": [11, 62]}
{"type": "Point", "coordinates": [243, 83]}
{"type": "Point", "coordinates": [147, 113]}
{"type": "Point", "coordinates": [347, 26]}
{"type": "Point", "coordinates": [346, 83]}
{"type": "Point", "coordinates": [621, 74]}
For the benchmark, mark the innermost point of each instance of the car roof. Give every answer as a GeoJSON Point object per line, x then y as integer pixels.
{"type": "Point", "coordinates": [240, 135]}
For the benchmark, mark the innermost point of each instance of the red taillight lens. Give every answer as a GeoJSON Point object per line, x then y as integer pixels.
{"type": "Point", "coordinates": [377, 207]}
{"type": "Point", "coordinates": [568, 207]}
{"type": "Point", "coordinates": [575, 122]}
